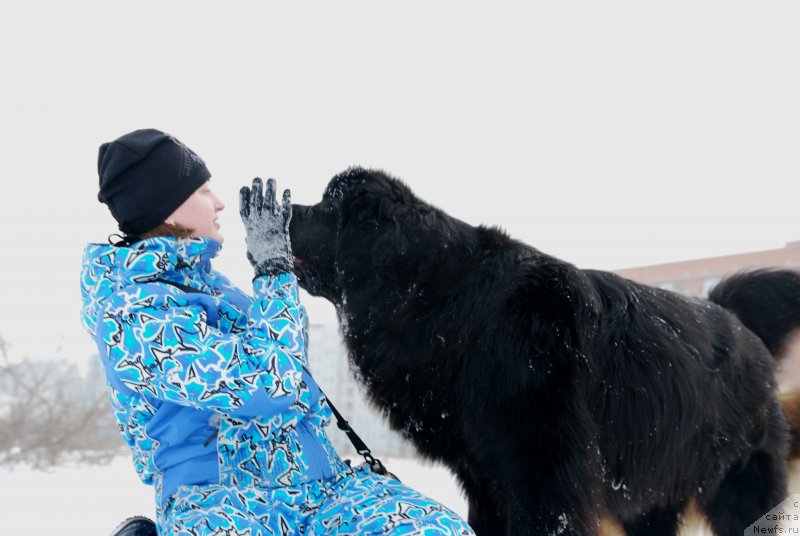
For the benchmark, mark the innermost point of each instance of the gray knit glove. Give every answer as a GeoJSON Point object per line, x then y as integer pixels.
{"type": "Point", "coordinates": [267, 226]}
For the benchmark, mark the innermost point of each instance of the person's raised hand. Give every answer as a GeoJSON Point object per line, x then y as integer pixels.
{"type": "Point", "coordinates": [266, 225]}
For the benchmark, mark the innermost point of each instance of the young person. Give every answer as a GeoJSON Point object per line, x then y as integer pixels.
{"type": "Point", "coordinates": [211, 389]}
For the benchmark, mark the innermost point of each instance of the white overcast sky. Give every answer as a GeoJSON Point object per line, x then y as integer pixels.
{"type": "Point", "coordinates": [610, 134]}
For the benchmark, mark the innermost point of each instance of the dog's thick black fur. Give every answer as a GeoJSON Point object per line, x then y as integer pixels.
{"type": "Point", "coordinates": [767, 301]}
{"type": "Point", "coordinates": [557, 395]}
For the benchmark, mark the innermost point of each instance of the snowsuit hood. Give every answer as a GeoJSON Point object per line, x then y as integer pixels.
{"type": "Point", "coordinates": [107, 268]}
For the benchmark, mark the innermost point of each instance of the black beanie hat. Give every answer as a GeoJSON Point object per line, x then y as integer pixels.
{"type": "Point", "coordinates": [144, 176]}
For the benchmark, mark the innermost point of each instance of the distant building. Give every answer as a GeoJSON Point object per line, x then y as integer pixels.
{"type": "Point", "coordinates": [698, 277]}
{"type": "Point", "coordinates": [330, 366]}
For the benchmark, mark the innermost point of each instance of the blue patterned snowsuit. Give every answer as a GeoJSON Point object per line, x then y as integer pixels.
{"type": "Point", "coordinates": [210, 394]}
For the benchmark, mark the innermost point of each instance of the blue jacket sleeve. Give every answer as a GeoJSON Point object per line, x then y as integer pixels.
{"type": "Point", "coordinates": [161, 344]}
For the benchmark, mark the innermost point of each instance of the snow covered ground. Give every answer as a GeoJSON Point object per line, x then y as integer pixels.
{"type": "Point", "coordinates": [93, 500]}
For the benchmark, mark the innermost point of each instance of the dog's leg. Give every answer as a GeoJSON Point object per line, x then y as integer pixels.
{"type": "Point", "coordinates": [528, 502]}
{"type": "Point", "coordinates": [661, 522]}
{"type": "Point", "coordinates": [754, 487]}
{"type": "Point", "coordinates": [484, 515]}
{"type": "Point", "coordinates": [551, 469]}
{"type": "Point", "coordinates": [529, 514]}
{"type": "Point", "coordinates": [559, 503]}
{"type": "Point", "coordinates": [746, 493]}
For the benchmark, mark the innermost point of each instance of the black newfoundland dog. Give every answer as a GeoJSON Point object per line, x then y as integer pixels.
{"type": "Point", "coordinates": [557, 395]}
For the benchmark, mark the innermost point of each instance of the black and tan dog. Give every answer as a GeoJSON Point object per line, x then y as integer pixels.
{"type": "Point", "coordinates": [557, 395]}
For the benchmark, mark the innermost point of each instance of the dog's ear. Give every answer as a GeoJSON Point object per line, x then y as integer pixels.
{"type": "Point", "coordinates": [388, 189]}
{"type": "Point", "coordinates": [372, 183]}
{"type": "Point", "coordinates": [370, 195]}
{"type": "Point", "coordinates": [345, 183]}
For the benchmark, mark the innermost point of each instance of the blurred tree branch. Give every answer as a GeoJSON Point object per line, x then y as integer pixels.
{"type": "Point", "coordinates": [50, 414]}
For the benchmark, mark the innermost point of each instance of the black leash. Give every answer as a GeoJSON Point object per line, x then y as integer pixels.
{"type": "Point", "coordinates": [361, 447]}
{"type": "Point", "coordinates": [374, 463]}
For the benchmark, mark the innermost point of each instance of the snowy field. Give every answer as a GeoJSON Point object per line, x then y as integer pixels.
{"type": "Point", "coordinates": [93, 500]}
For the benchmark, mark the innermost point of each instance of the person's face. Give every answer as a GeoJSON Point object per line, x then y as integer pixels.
{"type": "Point", "coordinates": [199, 212]}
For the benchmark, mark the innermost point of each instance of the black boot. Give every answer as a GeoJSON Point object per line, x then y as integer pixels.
{"type": "Point", "coordinates": [136, 526]}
